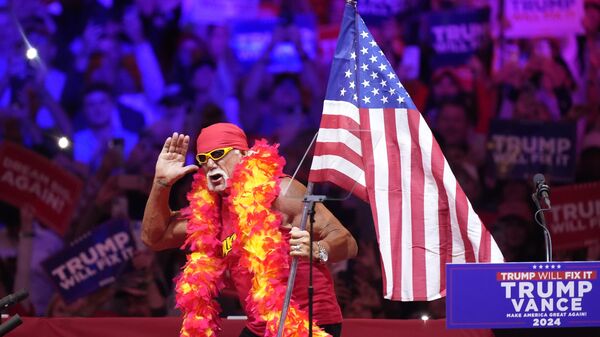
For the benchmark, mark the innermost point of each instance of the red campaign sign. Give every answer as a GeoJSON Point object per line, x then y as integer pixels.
{"type": "Point", "coordinates": [27, 178]}
{"type": "Point", "coordinates": [327, 42]}
{"type": "Point", "coordinates": [574, 220]}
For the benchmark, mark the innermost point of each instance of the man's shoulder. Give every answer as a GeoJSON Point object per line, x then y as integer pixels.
{"type": "Point", "coordinates": [291, 194]}
{"type": "Point", "coordinates": [290, 187]}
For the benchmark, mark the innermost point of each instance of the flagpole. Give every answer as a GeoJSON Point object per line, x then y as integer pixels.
{"type": "Point", "coordinates": [309, 204]}
{"type": "Point", "coordinates": [355, 48]}
{"type": "Point", "coordinates": [308, 209]}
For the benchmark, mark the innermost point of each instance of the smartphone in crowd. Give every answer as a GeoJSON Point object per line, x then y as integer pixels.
{"type": "Point", "coordinates": [116, 143]}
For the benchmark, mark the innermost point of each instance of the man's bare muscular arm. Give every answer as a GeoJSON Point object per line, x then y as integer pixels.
{"type": "Point", "coordinates": [328, 230]}
{"type": "Point", "coordinates": [161, 227]}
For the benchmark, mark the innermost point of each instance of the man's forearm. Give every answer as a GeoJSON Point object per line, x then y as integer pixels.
{"type": "Point", "coordinates": [338, 242]}
{"type": "Point", "coordinates": [157, 213]}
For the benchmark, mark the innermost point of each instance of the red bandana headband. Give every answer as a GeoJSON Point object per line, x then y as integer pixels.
{"type": "Point", "coordinates": [221, 135]}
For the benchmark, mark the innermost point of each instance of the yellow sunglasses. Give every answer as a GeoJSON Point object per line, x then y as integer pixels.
{"type": "Point", "coordinates": [215, 155]}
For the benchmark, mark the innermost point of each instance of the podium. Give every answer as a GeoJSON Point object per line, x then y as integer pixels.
{"type": "Point", "coordinates": [523, 295]}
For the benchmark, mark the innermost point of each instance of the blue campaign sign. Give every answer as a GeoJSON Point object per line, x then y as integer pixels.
{"type": "Point", "coordinates": [523, 295]}
{"type": "Point", "coordinates": [519, 149]}
{"type": "Point", "coordinates": [456, 35]}
{"type": "Point", "coordinates": [92, 261]}
{"type": "Point", "coordinates": [250, 38]}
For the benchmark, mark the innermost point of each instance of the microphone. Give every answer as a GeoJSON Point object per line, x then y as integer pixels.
{"type": "Point", "coordinates": [9, 325]}
{"type": "Point", "coordinates": [541, 189]}
{"type": "Point", "coordinates": [11, 299]}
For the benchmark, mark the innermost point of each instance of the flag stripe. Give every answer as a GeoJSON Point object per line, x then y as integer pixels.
{"type": "Point", "coordinates": [404, 144]}
{"type": "Point", "coordinates": [473, 227]}
{"type": "Point", "coordinates": [369, 143]}
{"type": "Point", "coordinates": [443, 213]}
{"type": "Point", "coordinates": [340, 164]}
{"type": "Point", "coordinates": [417, 181]}
{"type": "Point", "coordinates": [462, 214]}
{"type": "Point", "coordinates": [336, 177]}
{"type": "Point", "coordinates": [340, 136]}
{"type": "Point", "coordinates": [341, 108]}
{"type": "Point", "coordinates": [458, 250]}
{"type": "Point", "coordinates": [339, 150]}
{"type": "Point", "coordinates": [380, 184]}
{"type": "Point", "coordinates": [431, 215]}
{"type": "Point", "coordinates": [341, 122]}
{"type": "Point", "coordinates": [393, 192]}
{"type": "Point", "coordinates": [485, 246]}
{"type": "Point", "coordinates": [495, 254]}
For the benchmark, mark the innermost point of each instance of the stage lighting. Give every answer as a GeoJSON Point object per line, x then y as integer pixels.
{"type": "Point", "coordinates": [31, 53]}
{"type": "Point", "coordinates": [63, 142]}
{"type": "Point", "coordinates": [424, 317]}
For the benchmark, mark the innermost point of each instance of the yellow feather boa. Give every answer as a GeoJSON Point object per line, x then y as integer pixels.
{"type": "Point", "coordinates": [264, 253]}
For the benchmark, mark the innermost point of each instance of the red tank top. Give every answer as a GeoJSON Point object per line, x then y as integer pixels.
{"type": "Point", "coordinates": [326, 309]}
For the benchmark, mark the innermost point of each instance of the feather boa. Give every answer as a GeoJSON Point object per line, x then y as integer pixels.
{"type": "Point", "coordinates": [264, 253]}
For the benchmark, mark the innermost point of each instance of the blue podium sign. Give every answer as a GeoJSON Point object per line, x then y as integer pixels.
{"type": "Point", "coordinates": [523, 295]}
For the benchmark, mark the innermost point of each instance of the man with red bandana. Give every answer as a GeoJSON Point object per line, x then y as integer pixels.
{"type": "Point", "coordinates": [221, 148]}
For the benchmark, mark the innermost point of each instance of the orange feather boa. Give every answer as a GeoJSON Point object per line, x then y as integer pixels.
{"type": "Point", "coordinates": [254, 187]}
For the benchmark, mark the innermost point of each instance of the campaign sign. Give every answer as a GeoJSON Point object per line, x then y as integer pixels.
{"type": "Point", "coordinates": [519, 149]}
{"type": "Point", "coordinates": [574, 220]}
{"type": "Point", "coordinates": [250, 38]}
{"type": "Point", "coordinates": [27, 178]}
{"type": "Point", "coordinates": [327, 41]}
{"type": "Point", "coordinates": [522, 295]}
{"type": "Point", "coordinates": [92, 261]}
{"type": "Point", "coordinates": [456, 35]}
{"type": "Point", "coordinates": [217, 11]}
{"type": "Point", "coordinates": [374, 11]}
{"type": "Point", "coordinates": [527, 18]}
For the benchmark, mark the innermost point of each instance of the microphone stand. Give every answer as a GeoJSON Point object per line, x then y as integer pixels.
{"type": "Point", "coordinates": [542, 223]}
{"type": "Point", "coordinates": [9, 325]}
{"type": "Point", "coordinates": [7, 301]}
{"type": "Point", "coordinates": [308, 209]}
{"type": "Point", "coordinates": [311, 214]}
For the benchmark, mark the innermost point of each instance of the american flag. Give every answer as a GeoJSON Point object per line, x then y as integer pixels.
{"type": "Point", "coordinates": [374, 142]}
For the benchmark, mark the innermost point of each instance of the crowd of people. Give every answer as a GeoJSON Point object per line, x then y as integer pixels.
{"type": "Point", "coordinates": [117, 78]}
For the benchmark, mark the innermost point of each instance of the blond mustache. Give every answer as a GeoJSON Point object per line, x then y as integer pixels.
{"type": "Point", "coordinates": [215, 172]}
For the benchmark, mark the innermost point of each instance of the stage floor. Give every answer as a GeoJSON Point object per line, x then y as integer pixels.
{"type": "Point", "coordinates": [169, 327]}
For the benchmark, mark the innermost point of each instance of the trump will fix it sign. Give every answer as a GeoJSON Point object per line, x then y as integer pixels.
{"type": "Point", "coordinates": [574, 220]}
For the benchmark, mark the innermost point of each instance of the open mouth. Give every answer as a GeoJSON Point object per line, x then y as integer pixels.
{"type": "Point", "coordinates": [216, 178]}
